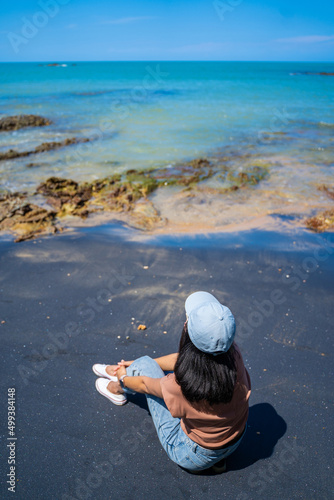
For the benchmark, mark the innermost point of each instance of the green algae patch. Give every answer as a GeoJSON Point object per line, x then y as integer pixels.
{"type": "Point", "coordinates": [230, 180]}
{"type": "Point", "coordinates": [249, 177]}
{"type": "Point", "coordinates": [187, 174]}
{"type": "Point", "coordinates": [126, 194]}
{"type": "Point", "coordinates": [142, 181]}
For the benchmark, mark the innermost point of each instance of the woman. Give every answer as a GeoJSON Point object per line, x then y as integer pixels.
{"type": "Point", "coordinates": [201, 409]}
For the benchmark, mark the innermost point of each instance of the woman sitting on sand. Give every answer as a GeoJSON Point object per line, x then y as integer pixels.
{"type": "Point", "coordinates": [201, 409]}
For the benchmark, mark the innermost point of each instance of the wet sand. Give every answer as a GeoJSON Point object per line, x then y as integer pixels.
{"type": "Point", "coordinates": [76, 299]}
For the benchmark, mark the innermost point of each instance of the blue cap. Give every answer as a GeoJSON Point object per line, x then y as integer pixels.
{"type": "Point", "coordinates": [211, 326]}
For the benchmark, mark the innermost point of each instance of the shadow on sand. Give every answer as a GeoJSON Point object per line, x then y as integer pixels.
{"type": "Point", "coordinates": [264, 428]}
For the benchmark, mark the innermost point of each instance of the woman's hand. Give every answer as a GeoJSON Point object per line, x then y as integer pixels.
{"type": "Point", "coordinates": [120, 372]}
{"type": "Point", "coordinates": [125, 363]}
{"type": "Point", "coordinates": [115, 387]}
{"type": "Point", "coordinates": [113, 369]}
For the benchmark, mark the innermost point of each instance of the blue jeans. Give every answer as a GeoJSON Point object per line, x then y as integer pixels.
{"type": "Point", "coordinates": [178, 446]}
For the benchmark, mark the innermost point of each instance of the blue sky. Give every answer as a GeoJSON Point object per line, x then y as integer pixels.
{"type": "Point", "coordinates": [249, 30]}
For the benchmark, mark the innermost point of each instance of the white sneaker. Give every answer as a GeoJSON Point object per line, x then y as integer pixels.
{"type": "Point", "coordinates": [100, 371]}
{"type": "Point", "coordinates": [101, 385]}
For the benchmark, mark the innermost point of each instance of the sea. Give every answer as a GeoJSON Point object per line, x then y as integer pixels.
{"type": "Point", "coordinates": [144, 115]}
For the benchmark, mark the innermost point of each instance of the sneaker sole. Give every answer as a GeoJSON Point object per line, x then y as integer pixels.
{"type": "Point", "coordinates": [113, 378]}
{"type": "Point", "coordinates": [110, 397]}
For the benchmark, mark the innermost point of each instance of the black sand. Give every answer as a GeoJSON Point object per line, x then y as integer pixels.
{"type": "Point", "coordinates": [57, 321]}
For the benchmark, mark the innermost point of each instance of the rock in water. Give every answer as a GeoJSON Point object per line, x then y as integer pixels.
{"type": "Point", "coordinates": [321, 222]}
{"type": "Point", "coordinates": [11, 154]}
{"type": "Point", "coordinates": [66, 195]}
{"type": "Point", "coordinates": [26, 220]}
{"type": "Point", "coordinates": [21, 121]}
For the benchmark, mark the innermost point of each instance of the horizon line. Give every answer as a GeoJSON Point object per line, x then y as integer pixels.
{"type": "Point", "coordinates": [63, 61]}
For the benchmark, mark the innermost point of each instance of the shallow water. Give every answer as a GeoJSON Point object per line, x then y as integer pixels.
{"type": "Point", "coordinates": [144, 115]}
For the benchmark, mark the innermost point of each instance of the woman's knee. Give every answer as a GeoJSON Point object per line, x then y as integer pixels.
{"type": "Point", "coordinates": [145, 365]}
{"type": "Point", "coordinates": [146, 359]}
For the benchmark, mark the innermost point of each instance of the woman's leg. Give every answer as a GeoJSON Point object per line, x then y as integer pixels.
{"type": "Point", "coordinates": [178, 446]}
{"type": "Point", "coordinates": [148, 367]}
{"type": "Point", "coordinates": [166, 425]}
{"type": "Point", "coordinates": [145, 366]}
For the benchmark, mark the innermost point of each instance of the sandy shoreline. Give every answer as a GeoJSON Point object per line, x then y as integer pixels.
{"type": "Point", "coordinates": [74, 299]}
{"type": "Point", "coordinates": [225, 189]}
{"type": "Point", "coordinates": [182, 212]}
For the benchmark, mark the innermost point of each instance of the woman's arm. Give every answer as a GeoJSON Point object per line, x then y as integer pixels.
{"type": "Point", "coordinates": [144, 385]}
{"type": "Point", "coordinates": [166, 363]}
{"type": "Point", "coordinates": [140, 383]}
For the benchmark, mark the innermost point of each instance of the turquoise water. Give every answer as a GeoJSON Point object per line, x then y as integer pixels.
{"type": "Point", "coordinates": [143, 115]}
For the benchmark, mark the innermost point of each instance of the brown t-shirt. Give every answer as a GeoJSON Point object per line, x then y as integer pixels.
{"type": "Point", "coordinates": [211, 426]}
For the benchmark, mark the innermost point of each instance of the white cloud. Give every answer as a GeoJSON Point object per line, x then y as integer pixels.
{"type": "Point", "coordinates": [306, 39]}
{"type": "Point", "coordinates": [128, 20]}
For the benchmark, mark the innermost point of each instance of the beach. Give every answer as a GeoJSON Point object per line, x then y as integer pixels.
{"type": "Point", "coordinates": [72, 300]}
{"type": "Point", "coordinates": [126, 187]}
{"type": "Point", "coordinates": [197, 146]}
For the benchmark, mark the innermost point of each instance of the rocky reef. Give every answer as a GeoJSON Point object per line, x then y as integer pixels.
{"type": "Point", "coordinates": [65, 197]}
{"type": "Point", "coordinates": [186, 174]}
{"type": "Point", "coordinates": [128, 194]}
{"type": "Point", "coordinates": [323, 221]}
{"type": "Point", "coordinates": [25, 220]}
{"type": "Point", "coordinates": [12, 154]}
{"type": "Point", "coordinates": [251, 176]}
{"type": "Point", "coordinates": [10, 123]}
{"type": "Point", "coordinates": [327, 190]}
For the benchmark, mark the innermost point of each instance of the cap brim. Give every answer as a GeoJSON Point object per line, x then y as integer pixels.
{"type": "Point", "coordinates": [197, 299]}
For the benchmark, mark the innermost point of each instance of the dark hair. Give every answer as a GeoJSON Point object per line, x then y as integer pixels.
{"type": "Point", "coordinates": [202, 376]}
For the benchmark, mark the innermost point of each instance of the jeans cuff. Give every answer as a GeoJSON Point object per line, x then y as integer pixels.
{"type": "Point", "coordinates": [128, 391]}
